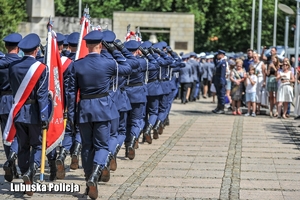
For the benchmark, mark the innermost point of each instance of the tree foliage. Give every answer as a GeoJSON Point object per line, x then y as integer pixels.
{"type": "Point", "coordinates": [12, 13]}
{"type": "Point", "coordinates": [227, 21]}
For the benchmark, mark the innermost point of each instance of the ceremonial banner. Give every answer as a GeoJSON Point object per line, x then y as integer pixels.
{"type": "Point", "coordinates": [56, 122]}
{"type": "Point", "coordinates": [28, 83]}
{"type": "Point", "coordinates": [82, 50]}
{"type": "Point", "coordinates": [129, 34]}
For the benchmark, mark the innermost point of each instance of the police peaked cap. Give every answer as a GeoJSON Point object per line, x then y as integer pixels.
{"type": "Point", "coordinates": [30, 42]}
{"type": "Point", "coordinates": [12, 39]}
{"type": "Point", "coordinates": [163, 44]}
{"type": "Point", "coordinates": [109, 36]}
{"type": "Point", "coordinates": [73, 39]}
{"type": "Point", "coordinates": [66, 40]}
{"type": "Point", "coordinates": [60, 39]}
{"type": "Point", "coordinates": [132, 45]}
{"type": "Point", "coordinates": [221, 52]}
{"type": "Point", "coordinates": [94, 37]}
{"type": "Point", "coordinates": [146, 44]}
{"type": "Point", "coordinates": [158, 46]}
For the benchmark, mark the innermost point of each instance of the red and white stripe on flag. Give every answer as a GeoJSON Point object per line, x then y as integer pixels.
{"type": "Point", "coordinates": [56, 126]}
{"type": "Point", "coordinates": [82, 50]}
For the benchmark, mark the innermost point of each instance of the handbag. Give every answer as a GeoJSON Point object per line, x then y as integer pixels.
{"type": "Point", "coordinates": [264, 97]}
{"type": "Point", "coordinates": [213, 88]}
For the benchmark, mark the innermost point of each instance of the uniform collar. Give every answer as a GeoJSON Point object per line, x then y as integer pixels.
{"type": "Point", "coordinates": [12, 55]}
{"type": "Point", "coordinates": [29, 56]}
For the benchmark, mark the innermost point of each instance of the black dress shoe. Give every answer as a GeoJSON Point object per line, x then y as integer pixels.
{"type": "Point", "coordinates": [147, 134]}
{"type": "Point", "coordinates": [113, 161]}
{"type": "Point", "coordinates": [9, 167]}
{"type": "Point", "coordinates": [131, 149]}
{"type": "Point", "coordinates": [60, 164]}
{"type": "Point", "coordinates": [220, 112]}
{"type": "Point", "coordinates": [29, 176]}
{"type": "Point", "coordinates": [75, 156]}
{"type": "Point", "coordinates": [52, 165]}
{"type": "Point", "coordinates": [92, 182]}
{"type": "Point", "coordinates": [105, 173]}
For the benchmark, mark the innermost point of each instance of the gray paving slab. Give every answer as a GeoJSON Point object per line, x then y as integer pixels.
{"type": "Point", "coordinates": [201, 155]}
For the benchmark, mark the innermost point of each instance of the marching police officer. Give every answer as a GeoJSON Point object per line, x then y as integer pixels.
{"type": "Point", "coordinates": [33, 115]}
{"type": "Point", "coordinates": [154, 91]}
{"type": "Point", "coordinates": [66, 49]}
{"type": "Point", "coordinates": [71, 143]}
{"type": "Point", "coordinates": [108, 48]}
{"type": "Point", "coordinates": [220, 81]}
{"type": "Point", "coordinates": [137, 93]}
{"type": "Point", "coordinates": [164, 61]}
{"type": "Point", "coordinates": [173, 77]}
{"type": "Point", "coordinates": [91, 76]}
{"type": "Point", "coordinates": [121, 98]}
{"type": "Point", "coordinates": [6, 101]}
{"type": "Point", "coordinates": [73, 43]}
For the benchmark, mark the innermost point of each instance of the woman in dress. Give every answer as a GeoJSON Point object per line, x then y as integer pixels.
{"type": "Point", "coordinates": [272, 83]}
{"type": "Point", "coordinates": [237, 77]}
{"type": "Point", "coordinates": [260, 71]}
{"type": "Point", "coordinates": [285, 91]}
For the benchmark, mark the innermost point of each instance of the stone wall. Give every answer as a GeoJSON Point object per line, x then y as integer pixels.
{"type": "Point", "coordinates": [181, 26]}
{"type": "Point", "coordinates": [64, 25]}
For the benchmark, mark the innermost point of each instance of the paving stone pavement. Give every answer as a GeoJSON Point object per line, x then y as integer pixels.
{"type": "Point", "coordinates": [201, 155]}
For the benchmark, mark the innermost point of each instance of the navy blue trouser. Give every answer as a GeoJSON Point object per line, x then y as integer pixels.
{"type": "Point", "coordinates": [95, 140]}
{"type": "Point", "coordinates": [29, 136]}
{"type": "Point", "coordinates": [152, 109]}
{"type": "Point", "coordinates": [14, 145]}
{"type": "Point", "coordinates": [170, 101]}
{"type": "Point", "coordinates": [221, 91]}
{"type": "Point", "coordinates": [113, 141]}
{"type": "Point", "coordinates": [163, 106]}
{"type": "Point", "coordinates": [71, 137]}
{"type": "Point", "coordinates": [122, 127]}
{"type": "Point", "coordinates": [135, 120]}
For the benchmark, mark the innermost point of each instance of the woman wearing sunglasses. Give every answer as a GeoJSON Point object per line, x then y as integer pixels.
{"type": "Point", "coordinates": [285, 91]}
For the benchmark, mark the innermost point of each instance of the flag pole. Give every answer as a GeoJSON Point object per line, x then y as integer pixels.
{"type": "Point", "coordinates": [44, 131]}
{"type": "Point", "coordinates": [85, 17]}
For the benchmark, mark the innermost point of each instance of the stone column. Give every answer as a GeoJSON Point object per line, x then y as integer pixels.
{"type": "Point", "coordinates": [37, 9]}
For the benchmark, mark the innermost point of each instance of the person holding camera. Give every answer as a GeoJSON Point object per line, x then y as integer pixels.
{"type": "Point", "coordinates": [268, 57]}
{"type": "Point", "coordinates": [285, 91]}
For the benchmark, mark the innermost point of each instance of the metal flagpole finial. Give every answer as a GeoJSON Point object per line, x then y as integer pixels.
{"type": "Point", "coordinates": [86, 12]}
{"type": "Point", "coordinates": [128, 28]}
{"type": "Point", "coordinates": [50, 24]}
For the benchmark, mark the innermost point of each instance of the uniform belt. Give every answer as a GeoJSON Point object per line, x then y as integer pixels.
{"type": "Point", "coordinates": [121, 88]}
{"type": "Point", "coordinates": [135, 84]}
{"type": "Point", "coordinates": [30, 101]}
{"type": "Point", "coordinates": [152, 80]}
{"type": "Point", "coordinates": [93, 96]}
{"type": "Point", "coordinates": [165, 79]}
{"type": "Point", "coordinates": [9, 92]}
